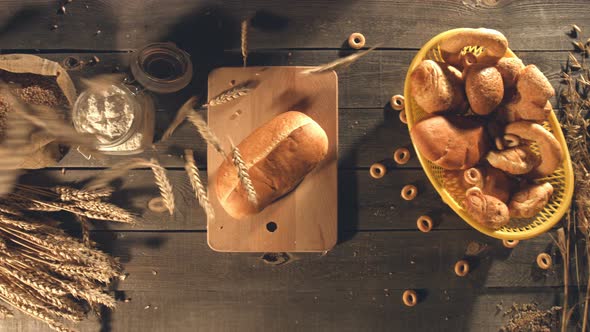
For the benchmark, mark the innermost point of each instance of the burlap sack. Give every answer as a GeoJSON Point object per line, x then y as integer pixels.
{"type": "Point", "coordinates": [45, 152]}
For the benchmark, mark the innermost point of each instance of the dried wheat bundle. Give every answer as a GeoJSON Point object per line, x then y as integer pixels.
{"type": "Point", "coordinates": [163, 184]}
{"type": "Point", "coordinates": [339, 63]}
{"type": "Point", "coordinates": [206, 132]}
{"type": "Point", "coordinates": [243, 174]}
{"type": "Point", "coordinates": [193, 174]}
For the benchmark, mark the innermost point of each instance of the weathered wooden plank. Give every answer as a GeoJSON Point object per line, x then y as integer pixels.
{"type": "Point", "coordinates": [349, 309]}
{"type": "Point", "coordinates": [207, 26]}
{"type": "Point", "coordinates": [193, 310]}
{"type": "Point", "coordinates": [364, 203]}
{"type": "Point", "coordinates": [369, 83]}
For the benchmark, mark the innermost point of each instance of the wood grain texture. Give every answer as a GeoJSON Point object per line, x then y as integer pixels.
{"type": "Point", "coordinates": [305, 219]}
{"type": "Point", "coordinates": [538, 25]}
{"type": "Point", "coordinates": [364, 203]}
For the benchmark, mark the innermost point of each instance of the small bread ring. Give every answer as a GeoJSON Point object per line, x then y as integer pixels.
{"type": "Point", "coordinates": [468, 59]}
{"type": "Point", "coordinates": [402, 117]}
{"type": "Point", "coordinates": [401, 156]}
{"type": "Point", "coordinates": [398, 102]}
{"type": "Point", "coordinates": [410, 298]}
{"type": "Point", "coordinates": [157, 204]}
{"type": "Point", "coordinates": [461, 268]}
{"type": "Point", "coordinates": [544, 261]}
{"type": "Point", "coordinates": [424, 224]}
{"type": "Point", "coordinates": [377, 170]}
{"type": "Point", "coordinates": [510, 243]}
{"type": "Point", "coordinates": [409, 192]}
{"type": "Point", "coordinates": [356, 40]}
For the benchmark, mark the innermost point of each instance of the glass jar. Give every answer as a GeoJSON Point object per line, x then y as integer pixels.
{"type": "Point", "coordinates": [121, 120]}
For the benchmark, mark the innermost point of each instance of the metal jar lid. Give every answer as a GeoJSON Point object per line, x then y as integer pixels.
{"type": "Point", "coordinates": [162, 67]}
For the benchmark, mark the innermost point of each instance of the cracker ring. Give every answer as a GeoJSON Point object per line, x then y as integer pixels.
{"type": "Point", "coordinates": [402, 117]}
{"type": "Point", "coordinates": [410, 298]}
{"type": "Point", "coordinates": [461, 268]}
{"type": "Point", "coordinates": [510, 243]}
{"type": "Point", "coordinates": [409, 192]}
{"type": "Point", "coordinates": [356, 40]}
{"type": "Point", "coordinates": [544, 261]}
{"type": "Point", "coordinates": [157, 204]}
{"type": "Point", "coordinates": [377, 170]}
{"type": "Point", "coordinates": [401, 156]}
{"type": "Point", "coordinates": [398, 102]}
{"type": "Point", "coordinates": [424, 224]}
{"type": "Point", "coordinates": [493, 42]}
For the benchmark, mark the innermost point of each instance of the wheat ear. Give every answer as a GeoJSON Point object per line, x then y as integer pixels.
{"type": "Point", "coordinates": [206, 132]}
{"type": "Point", "coordinates": [182, 113]}
{"type": "Point", "coordinates": [193, 174]}
{"type": "Point", "coordinates": [243, 174]}
{"type": "Point", "coordinates": [245, 41]}
{"type": "Point", "coordinates": [163, 184]}
{"type": "Point", "coordinates": [116, 171]}
{"type": "Point", "coordinates": [234, 93]}
{"type": "Point", "coordinates": [339, 63]}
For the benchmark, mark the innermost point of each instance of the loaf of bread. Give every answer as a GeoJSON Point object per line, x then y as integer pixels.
{"type": "Point", "coordinates": [451, 142]}
{"type": "Point", "coordinates": [278, 155]}
{"type": "Point", "coordinates": [484, 88]}
{"type": "Point", "coordinates": [437, 87]}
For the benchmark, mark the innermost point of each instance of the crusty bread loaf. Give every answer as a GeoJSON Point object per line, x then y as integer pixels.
{"type": "Point", "coordinates": [278, 154]}
{"type": "Point", "coordinates": [437, 87]}
{"type": "Point", "coordinates": [451, 142]}
{"type": "Point", "coordinates": [484, 88]}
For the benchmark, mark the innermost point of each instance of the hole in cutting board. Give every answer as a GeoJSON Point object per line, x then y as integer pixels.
{"type": "Point", "coordinates": [271, 226]}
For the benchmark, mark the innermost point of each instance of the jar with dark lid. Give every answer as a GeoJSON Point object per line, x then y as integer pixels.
{"type": "Point", "coordinates": [162, 67]}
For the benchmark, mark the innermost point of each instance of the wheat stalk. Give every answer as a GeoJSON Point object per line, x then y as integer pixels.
{"type": "Point", "coordinates": [181, 115]}
{"type": "Point", "coordinates": [5, 312]}
{"type": "Point", "coordinates": [206, 132]}
{"type": "Point", "coordinates": [243, 174]}
{"type": "Point", "coordinates": [193, 174]}
{"type": "Point", "coordinates": [102, 211]}
{"type": "Point", "coordinates": [67, 194]}
{"type": "Point", "coordinates": [164, 185]}
{"type": "Point", "coordinates": [234, 93]}
{"type": "Point", "coordinates": [116, 171]}
{"type": "Point", "coordinates": [339, 63]}
{"type": "Point", "coordinates": [244, 39]}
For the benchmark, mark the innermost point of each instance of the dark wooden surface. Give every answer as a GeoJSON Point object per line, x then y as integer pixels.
{"type": "Point", "coordinates": [176, 283]}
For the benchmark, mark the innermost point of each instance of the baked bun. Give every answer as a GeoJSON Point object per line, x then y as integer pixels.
{"type": "Point", "coordinates": [437, 87]}
{"type": "Point", "coordinates": [509, 68]}
{"type": "Point", "coordinates": [278, 155]}
{"type": "Point", "coordinates": [533, 86]}
{"type": "Point", "coordinates": [484, 88]}
{"type": "Point", "coordinates": [451, 142]}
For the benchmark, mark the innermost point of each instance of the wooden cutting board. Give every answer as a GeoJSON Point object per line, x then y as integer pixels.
{"type": "Point", "coordinates": [305, 219]}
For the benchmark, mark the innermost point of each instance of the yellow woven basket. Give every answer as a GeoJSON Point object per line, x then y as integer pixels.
{"type": "Point", "coordinates": [518, 229]}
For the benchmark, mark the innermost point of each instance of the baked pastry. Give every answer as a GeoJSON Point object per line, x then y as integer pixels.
{"type": "Point", "coordinates": [278, 155]}
{"type": "Point", "coordinates": [517, 160]}
{"type": "Point", "coordinates": [487, 210]}
{"type": "Point", "coordinates": [492, 181]}
{"type": "Point", "coordinates": [509, 68]}
{"type": "Point", "coordinates": [437, 87]}
{"type": "Point", "coordinates": [493, 42]}
{"type": "Point", "coordinates": [530, 200]}
{"type": "Point", "coordinates": [484, 88]}
{"type": "Point", "coordinates": [533, 86]}
{"type": "Point", "coordinates": [451, 142]}
{"type": "Point", "coordinates": [549, 148]}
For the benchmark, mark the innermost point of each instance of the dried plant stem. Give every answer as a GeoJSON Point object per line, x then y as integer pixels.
{"type": "Point", "coordinates": [234, 93]}
{"type": "Point", "coordinates": [181, 115]}
{"type": "Point", "coordinates": [164, 185]}
{"type": "Point", "coordinates": [339, 63]}
{"type": "Point", "coordinates": [195, 179]}
{"type": "Point", "coordinates": [244, 37]}
{"type": "Point", "coordinates": [206, 132]}
{"type": "Point", "coordinates": [243, 174]}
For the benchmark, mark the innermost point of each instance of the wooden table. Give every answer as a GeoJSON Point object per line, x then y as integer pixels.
{"type": "Point", "coordinates": [176, 283]}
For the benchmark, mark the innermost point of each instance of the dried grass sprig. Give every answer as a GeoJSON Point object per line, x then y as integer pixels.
{"type": "Point", "coordinates": [205, 132]}
{"type": "Point", "coordinates": [244, 40]}
{"type": "Point", "coordinates": [115, 172]}
{"type": "Point", "coordinates": [195, 179]}
{"type": "Point", "coordinates": [234, 93]}
{"type": "Point", "coordinates": [243, 175]}
{"type": "Point", "coordinates": [181, 115]}
{"type": "Point", "coordinates": [339, 63]}
{"type": "Point", "coordinates": [163, 184]}
{"type": "Point", "coordinates": [68, 194]}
